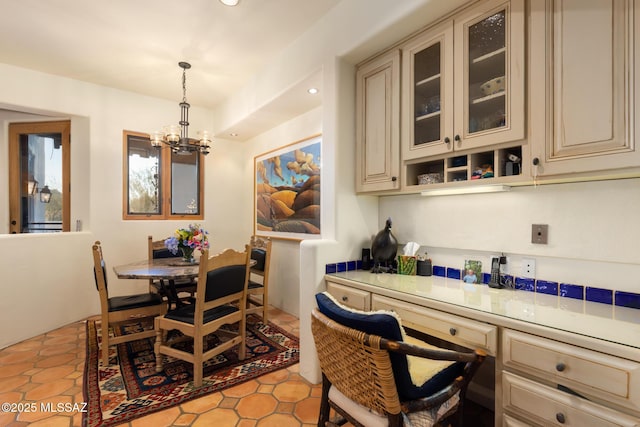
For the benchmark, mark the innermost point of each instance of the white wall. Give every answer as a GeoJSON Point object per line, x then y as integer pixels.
{"type": "Point", "coordinates": [49, 277]}
{"type": "Point", "coordinates": [593, 230]}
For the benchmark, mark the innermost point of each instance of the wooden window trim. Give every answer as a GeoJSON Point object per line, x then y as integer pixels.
{"type": "Point", "coordinates": [165, 186]}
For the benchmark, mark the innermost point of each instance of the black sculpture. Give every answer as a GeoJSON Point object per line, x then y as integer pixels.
{"type": "Point", "coordinates": [384, 249]}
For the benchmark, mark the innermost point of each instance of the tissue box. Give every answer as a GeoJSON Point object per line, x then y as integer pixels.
{"type": "Point", "coordinates": [407, 265]}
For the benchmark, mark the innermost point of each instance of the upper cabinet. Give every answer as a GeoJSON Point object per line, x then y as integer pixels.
{"type": "Point", "coordinates": [378, 124]}
{"type": "Point", "coordinates": [504, 91]}
{"type": "Point", "coordinates": [582, 78]}
{"type": "Point", "coordinates": [463, 81]}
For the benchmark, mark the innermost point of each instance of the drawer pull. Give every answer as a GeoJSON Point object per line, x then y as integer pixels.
{"type": "Point", "coordinates": [560, 367]}
{"type": "Point", "coordinates": [453, 331]}
{"type": "Point", "coordinates": [560, 417]}
{"type": "Point", "coordinates": [345, 298]}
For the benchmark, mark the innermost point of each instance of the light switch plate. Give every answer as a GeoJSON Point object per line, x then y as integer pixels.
{"type": "Point", "coordinates": [540, 234]}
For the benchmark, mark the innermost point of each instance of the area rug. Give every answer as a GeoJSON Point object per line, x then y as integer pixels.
{"type": "Point", "coordinates": [130, 387]}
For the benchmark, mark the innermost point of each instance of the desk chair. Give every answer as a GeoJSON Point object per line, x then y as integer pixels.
{"type": "Point", "coordinates": [170, 290]}
{"type": "Point", "coordinates": [220, 300]}
{"type": "Point", "coordinates": [120, 310]}
{"type": "Point", "coordinates": [370, 380]}
{"type": "Point", "coordinates": [258, 293]}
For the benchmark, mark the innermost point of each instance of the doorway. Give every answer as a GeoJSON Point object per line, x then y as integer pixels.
{"type": "Point", "coordinates": [39, 165]}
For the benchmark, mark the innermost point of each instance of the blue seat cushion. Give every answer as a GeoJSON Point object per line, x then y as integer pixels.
{"type": "Point", "coordinates": [387, 325]}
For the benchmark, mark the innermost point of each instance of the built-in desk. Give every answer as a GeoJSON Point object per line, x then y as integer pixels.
{"type": "Point", "coordinates": [559, 361]}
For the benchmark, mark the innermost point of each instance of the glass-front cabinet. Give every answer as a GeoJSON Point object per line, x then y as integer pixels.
{"type": "Point", "coordinates": [464, 81]}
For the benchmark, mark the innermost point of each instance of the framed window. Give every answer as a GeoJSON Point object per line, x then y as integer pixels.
{"type": "Point", "coordinates": [39, 177]}
{"type": "Point", "coordinates": [160, 184]}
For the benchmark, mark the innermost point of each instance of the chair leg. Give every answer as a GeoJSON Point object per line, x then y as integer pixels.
{"type": "Point", "coordinates": [242, 350]}
{"type": "Point", "coordinates": [198, 348]}
{"type": "Point", "coordinates": [160, 336]}
{"type": "Point", "coordinates": [323, 417]}
{"type": "Point", "coordinates": [265, 307]}
{"type": "Point", "coordinates": [105, 341]}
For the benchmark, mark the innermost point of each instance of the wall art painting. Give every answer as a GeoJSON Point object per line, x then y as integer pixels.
{"type": "Point", "coordinates": [287, 191]}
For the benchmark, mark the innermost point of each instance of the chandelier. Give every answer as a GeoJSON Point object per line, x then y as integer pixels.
{"type": "Point", "coordinates": [177, 136]}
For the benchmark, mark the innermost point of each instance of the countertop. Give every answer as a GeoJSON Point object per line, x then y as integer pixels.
{"type": "Point", "coordinates": [618, 325]}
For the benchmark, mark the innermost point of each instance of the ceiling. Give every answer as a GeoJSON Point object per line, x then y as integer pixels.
{"type": "Point", "coordinates": [135, 45]}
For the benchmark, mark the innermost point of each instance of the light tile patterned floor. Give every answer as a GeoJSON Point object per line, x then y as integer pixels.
{"type": "Point", "coordinates": [49, 369]}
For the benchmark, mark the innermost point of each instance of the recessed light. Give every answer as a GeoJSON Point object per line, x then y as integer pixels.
{"type": "Point", "coordinates": [312, 90]}
{"type": "Point", "coordinates": [229, 2]}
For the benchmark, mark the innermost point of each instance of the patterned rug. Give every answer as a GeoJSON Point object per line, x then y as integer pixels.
{"type": "Point", "coordinates": [131, 388]}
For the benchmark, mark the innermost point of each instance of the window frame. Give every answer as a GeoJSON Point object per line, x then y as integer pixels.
{"type": "Point", "coordinates": [63, 127]}
{"type": "Point", "coordinates": [165, 193]}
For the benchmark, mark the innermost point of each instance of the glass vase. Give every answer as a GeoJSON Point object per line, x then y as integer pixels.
{"type": "Point", "coordinates": [187, 254]}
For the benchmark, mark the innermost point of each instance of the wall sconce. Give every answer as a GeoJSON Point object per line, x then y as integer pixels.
{"type": "Point", "coordinates": [45, 194]}
{"type": "Point", "coordinates": [32, 187]}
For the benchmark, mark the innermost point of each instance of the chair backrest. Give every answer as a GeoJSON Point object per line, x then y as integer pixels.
{"type": "Point", "coordinates": [100, 275]}
{"type": "Point", "coordinates": [355, 364]}
{"type": "Point", "coordinates": [261, 253]}
{"type": "Point", "coordinates": [222, 276]}
{"type": "Point", "coordinates": [157, 249]}
{"type": "Point", "coordinates": [360, 367]}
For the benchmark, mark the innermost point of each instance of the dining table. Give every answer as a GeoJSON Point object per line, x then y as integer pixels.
{"type": "Point", "coordinates": [165, 269]}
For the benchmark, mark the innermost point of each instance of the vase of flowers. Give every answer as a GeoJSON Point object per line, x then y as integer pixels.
{"type": "Point", "coordinates": [187, 240]}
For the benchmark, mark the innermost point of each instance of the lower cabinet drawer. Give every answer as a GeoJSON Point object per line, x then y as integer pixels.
{"type": "Point", "coordinates": [354, 298]}
{"type": "Point", "coordinates": [546, 406]}
{"type": "Point", "coordinates": [449, 327]}
{"type": "Point", "coordinates": [607, 377]}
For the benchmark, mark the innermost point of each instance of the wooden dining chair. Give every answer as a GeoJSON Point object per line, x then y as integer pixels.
{"type": "Point", "coordinates": [369, 380]}
{"type": "Point", "coordinates": [120, 310]}
{"type": "Point", "coordinates": [258, 293]}
{"type": "Point", "coordinates": [220, 300]}
{"type": "Point", "coordinates": [170, 289]}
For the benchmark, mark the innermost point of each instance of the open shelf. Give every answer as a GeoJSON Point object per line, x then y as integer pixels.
{"type": "Point", "coordinates": [479, 166]}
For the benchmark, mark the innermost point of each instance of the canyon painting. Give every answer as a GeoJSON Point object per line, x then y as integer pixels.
{"type": "Point", "coordinates": [287, 190]}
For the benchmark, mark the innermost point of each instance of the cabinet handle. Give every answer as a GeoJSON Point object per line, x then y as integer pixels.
{"type": "Point", "coordinates": [536, 161]}
{"type": "Point", "coordinates": [447, 140]}
{"type": "Point", "coordinates": [345, 298]}
{"type": "Point", "coordinates": [394, 178]}
{"type": "Point", "coordinates": [453, 331]}
{"type": "Point", "coordinates": [560, 417]}
{"type": "Point", "coordinates": [13, 222]}
{"type": "Point", "coordinates": [456, 138]}
{"type": "Point", "coordinates": [560, 367]}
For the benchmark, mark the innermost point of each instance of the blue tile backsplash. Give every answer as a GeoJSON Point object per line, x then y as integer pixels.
{"type": "Point", "coordinates": [571, 291]}
{"type": "Point", "coordinates": [565, 290]}
{"type": "Point", "coordinates": [546, 287]}
{"type": "Point", "coordinates": [627, 299]}
{"type": "Point", "coordinates": [453, 273]}
{"type": "Point", "coordinates": [604, 296]}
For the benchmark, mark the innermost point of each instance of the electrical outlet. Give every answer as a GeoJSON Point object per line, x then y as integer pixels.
{"type": "Point", "coordinates": [539, 234]}
{"type": "Point", "coordinates": [529, 268]}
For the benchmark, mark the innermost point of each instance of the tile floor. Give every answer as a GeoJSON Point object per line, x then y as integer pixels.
{"type": "Point", "coordinates": [49, 369]}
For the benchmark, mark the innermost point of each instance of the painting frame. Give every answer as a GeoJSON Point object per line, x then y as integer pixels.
{"type": "Point", "coordinates": [287, 191]}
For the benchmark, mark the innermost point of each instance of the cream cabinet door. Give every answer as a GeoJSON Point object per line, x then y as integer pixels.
{"type": "Point", "coordinates": [582, 86]}
{"type": "Point", "coordinates": [463, 81]}
{"type": "Point", "coordinates": [489, 50]}
{"type": "Point", "coordinates": [378, 124]}
{"type": "Point", "coordinates": [427, 79]}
